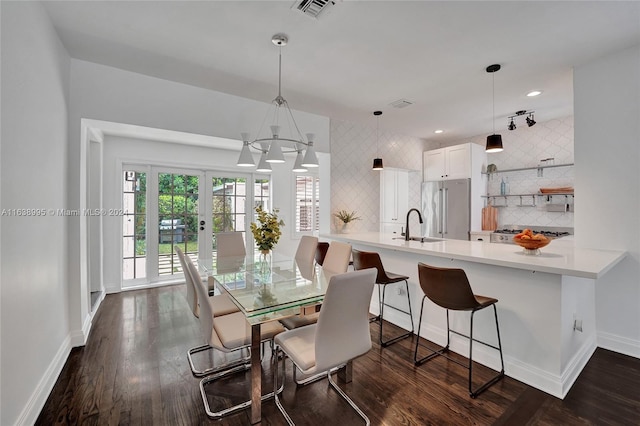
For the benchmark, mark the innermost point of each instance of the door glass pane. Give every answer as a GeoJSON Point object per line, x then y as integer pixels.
{"type": "Point", "coordinates": [177, 219]}
{"type": "Point", "coordinates": [229, 201]}
{"type": "Point", "coordinates": [134, 245]}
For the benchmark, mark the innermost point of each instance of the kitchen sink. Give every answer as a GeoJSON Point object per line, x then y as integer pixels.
{"type": "Point", "coordinates": [421, 239]}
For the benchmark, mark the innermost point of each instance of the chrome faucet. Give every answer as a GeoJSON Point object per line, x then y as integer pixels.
{"type": "Point", "coordinates": [407, 237]}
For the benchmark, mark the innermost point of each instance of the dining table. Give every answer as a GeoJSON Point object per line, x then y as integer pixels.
{"type": "Point", "coordinates": [267, 288]}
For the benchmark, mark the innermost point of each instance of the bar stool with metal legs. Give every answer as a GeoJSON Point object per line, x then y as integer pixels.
{"type": "Point", "coordinates": [364, 260]}
{"type": "Point", "coordinates": [450, 289]}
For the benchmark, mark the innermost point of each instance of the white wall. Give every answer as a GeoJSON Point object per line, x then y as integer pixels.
{"type": "Point", "coordinates": [34, 322]}
{"type": "Point", "coordinates": [607, 153]}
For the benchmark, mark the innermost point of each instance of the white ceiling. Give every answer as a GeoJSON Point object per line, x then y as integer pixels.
{"type": "Point", "coordinates": [360, 56]}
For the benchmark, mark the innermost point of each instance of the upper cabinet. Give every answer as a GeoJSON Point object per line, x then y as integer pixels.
{"type": "Point", "coordinates": [453, 162]}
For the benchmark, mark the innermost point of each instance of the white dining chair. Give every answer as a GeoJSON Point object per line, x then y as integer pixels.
{"type": "Point", "coordinates": [337, 259]}
{"type": "Point", "coordinates": [226, 333]}
{"type": "Point", "coordinates": [220, 304]}
{"type": "Point", "coordinates": [306, 251]}
{"type": "Point", "coordinates": [230, 244]}
{"type": "Point", "coordinates": [341, 334]}
{"type": "Point", "coordinates": [192, 297]}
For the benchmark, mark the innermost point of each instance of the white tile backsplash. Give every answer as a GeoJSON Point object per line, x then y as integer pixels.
{"type": "Point", "coordinates": [354, 185]}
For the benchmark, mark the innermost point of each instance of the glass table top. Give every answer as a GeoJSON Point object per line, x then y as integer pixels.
{"type": "Point", "coordinates": [268, 288]}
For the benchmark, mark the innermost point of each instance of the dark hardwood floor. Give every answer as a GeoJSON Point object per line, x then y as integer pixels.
{"type": "Point", "coordinates": [134, 371]}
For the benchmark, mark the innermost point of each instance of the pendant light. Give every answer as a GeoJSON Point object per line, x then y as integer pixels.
{"type": "Point", "coordinates": [377, 162]}
{"type": "Point", "coordinates": [494, 142]}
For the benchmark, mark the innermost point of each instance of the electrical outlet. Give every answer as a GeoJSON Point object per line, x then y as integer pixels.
{"type": "Point", "coordinates": [577, 324]}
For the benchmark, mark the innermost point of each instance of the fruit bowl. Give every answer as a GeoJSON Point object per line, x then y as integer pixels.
{"type": "Point", "coordinates": [530, 245]}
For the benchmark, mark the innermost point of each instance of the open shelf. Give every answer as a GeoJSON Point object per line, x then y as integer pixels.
{"type": "Point", "coordinates": [528, 168]}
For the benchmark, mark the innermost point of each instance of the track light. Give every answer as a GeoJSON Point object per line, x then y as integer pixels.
{"type": "Point", "coordinates": [530, 121]}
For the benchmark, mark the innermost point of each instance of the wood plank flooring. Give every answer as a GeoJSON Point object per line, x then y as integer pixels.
{"type": "Point", "coordinates": [134, 371]}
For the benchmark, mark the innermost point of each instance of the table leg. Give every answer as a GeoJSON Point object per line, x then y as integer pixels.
{"type": "Point", "coordinates": [345, 374]}
{"type": "Point", "coordinates": [256, 375]}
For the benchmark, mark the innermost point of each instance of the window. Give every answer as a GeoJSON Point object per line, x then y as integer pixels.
{"type": "Point", "coordinates": [307, 212]}
{"type": "Point", "coordinates": [134, 240]}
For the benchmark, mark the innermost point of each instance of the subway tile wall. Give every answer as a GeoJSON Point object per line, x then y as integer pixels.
{"type": "Point", "coordinates": [354, 185]}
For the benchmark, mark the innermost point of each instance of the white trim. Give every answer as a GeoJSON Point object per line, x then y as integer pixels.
{"type": "Point", "coordinates": [38, 398]}
{"type": "Point", "coordinates": [619, 344]}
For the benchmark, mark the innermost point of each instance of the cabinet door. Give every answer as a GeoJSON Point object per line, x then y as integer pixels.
{"type": "Point", "coordinates": [434, 165]}
{"type": "Point", "coordinates": [394, 195]}
{"type": "Point", "coordinates": [388, 196]}
{"type": "Point", "coordinates": [458, 161]}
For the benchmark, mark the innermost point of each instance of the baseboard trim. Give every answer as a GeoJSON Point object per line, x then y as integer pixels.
{"type": "Point", "coordinates": [619, 344]}
{"type": "Point", "coordinates": [38, 398]}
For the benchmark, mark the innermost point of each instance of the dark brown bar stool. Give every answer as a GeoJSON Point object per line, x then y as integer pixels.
{"type": "Point", "coordinates": [366, 259]}
{"type": "Point", "coordinates": [321, 252]}
{"type": "Point", "coordinates": [450, 289]}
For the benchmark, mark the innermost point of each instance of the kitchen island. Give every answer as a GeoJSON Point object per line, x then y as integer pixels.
{"type": "Point", "coordinates": [546, 303]}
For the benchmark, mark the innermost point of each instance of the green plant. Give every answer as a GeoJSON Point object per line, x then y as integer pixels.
{"type": "Point", "coordinates": [345, 216]}
{"type": "Point", "coordinates": [267, 232]}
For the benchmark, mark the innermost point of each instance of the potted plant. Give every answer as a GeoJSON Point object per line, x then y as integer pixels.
{"type": "Point", "coordinates": [345, 219]}
{"type": "Point", "coordinates": [266, 232]}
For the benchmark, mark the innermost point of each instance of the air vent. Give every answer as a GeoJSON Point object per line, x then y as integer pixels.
{"type": "Point", "coordinates": [313, 8]}
{"type": "Point", "coordinates": [401, 103]}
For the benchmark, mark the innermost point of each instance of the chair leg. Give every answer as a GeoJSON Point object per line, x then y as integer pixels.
{"type": "Point", "coordinates": [349, 400]}
{"type": "Point", "coordinates": [393, 340]}
{"type": "Point", "coordinates": [212, 370]}
{"type": "Point", "coordinates": [497, 377]}
{"type": "Point", "coordinates": [275, 385]}
{"type": "Point", "coordinates": [434, 353]}
{"type": "Point", "coordinates": [241, 406]}
{"type": "Point", "coordinates": [310, 379]}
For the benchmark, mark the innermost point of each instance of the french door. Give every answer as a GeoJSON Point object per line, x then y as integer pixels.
{"type": "Point", "coordinates": [165, 208]}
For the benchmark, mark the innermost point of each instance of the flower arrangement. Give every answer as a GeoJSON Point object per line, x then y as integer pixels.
{"type": "Point", "coordinates": [267, 232]}
{"type": "Point", "coordinates": [345, 216]}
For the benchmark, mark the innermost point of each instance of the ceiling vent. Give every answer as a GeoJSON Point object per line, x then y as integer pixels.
{"type": "Point", "coordinates": [313, 8]}
{"type": "Point", "coordinates": [401, 103]}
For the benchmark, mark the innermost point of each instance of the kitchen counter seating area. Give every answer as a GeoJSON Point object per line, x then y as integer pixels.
{"type": "Point", "coordinates": [546, 309]}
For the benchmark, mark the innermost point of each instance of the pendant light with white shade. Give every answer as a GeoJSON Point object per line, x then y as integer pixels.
{"type": "Point", "coordinates": [274, 146]}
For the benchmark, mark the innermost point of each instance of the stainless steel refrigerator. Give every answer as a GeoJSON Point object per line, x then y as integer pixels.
{"type": "Point", "coordinates": [446, 209]}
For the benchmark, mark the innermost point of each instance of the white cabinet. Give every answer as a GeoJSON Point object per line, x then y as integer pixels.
{"type": "Point", "coordinates": [452, 162]}
{"type": "Point", "coordinates": [394, 199]}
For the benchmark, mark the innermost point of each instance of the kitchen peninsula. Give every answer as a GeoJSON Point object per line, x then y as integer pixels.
{"type": "Point", "coordinates": [546, 303]}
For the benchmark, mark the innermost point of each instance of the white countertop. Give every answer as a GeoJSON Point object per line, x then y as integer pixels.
{"type": "Point", "coordinates": [559, 257]}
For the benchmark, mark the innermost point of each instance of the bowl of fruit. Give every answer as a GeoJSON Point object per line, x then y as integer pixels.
{"type": "Point", "coordinates": [530, 242]}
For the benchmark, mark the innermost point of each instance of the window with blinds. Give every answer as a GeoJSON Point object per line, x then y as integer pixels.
{"type": "Point", "coordinates": [307, 212]}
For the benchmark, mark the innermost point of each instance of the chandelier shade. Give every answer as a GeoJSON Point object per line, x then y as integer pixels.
{"type": "Point", "coordinates": [274, 146]}
{"type": "Point", "coordinates": [494, 142]}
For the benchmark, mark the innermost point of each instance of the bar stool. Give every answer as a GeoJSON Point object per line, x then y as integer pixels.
{"type": "Point", "coordinates": [364, 260]}
{"type": "Point", "coordinates": [450, 289]}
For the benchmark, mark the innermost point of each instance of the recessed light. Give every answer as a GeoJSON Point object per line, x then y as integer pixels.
{"type": "Point", "coordinates": [438, 131]}
{"type": "Point", "coordinates": [534, 93]}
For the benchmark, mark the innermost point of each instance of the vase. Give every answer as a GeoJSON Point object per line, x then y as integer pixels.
{"type": "Point", "coordinates": [265, 261]}
{"type": "Point", "coordinates": [346, 228]}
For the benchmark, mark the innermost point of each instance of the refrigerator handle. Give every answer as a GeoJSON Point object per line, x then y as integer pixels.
{"type": "Point", "coordinates": [441, 208]}
{"type": "Point", "coordinates": [445, 208]}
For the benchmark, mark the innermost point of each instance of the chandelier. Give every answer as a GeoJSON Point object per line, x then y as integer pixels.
{"type": "Point", "coordinates": [273, 147]}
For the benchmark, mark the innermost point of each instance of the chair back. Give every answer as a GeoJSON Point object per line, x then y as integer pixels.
{"type": "Point", "coordinates": [206, 313]}
{"type": "Point", "coordinates": [447, 287]}
{"type": "Point", "coordinates": [321, 252]}
{"type": "Point", "coordinates": [230, 244]}
{"type": "Point", "coordinates": [342, 332]}
{"type": "Point", "coordinates": [337, 258]}
{"type": "Point", "coordinates": [192, 297]}
{"type": "Point", "coordinates": [369, 259]}
{"type": "Point", "coordinates": [306, 251]}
